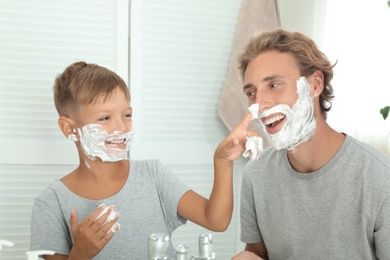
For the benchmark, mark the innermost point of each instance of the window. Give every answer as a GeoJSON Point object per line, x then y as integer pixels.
{"type": "Point", "coordinates": [180, 54]}
{"type": "Point", "coordinates": [38, 39]}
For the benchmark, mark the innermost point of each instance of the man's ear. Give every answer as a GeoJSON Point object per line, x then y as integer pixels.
{"type": "Point", "coordinates": [67, 126]}
{"type": "Point", "coordinates": [317, 81]}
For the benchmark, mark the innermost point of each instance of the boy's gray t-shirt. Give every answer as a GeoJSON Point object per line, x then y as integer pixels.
{"type": "Point", "coordinates": [341, 211]}
{"type": "Point", "coordinates": [147, 204]}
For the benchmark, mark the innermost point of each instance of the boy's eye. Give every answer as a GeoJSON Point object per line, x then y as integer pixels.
{"type": "Point", "coordinates": [105, 118]}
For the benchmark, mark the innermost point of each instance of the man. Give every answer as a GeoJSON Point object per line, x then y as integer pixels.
{"type": "Point", "coordinates": [314, 193]}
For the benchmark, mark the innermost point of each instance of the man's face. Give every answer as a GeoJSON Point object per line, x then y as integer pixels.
{"type": "Point", "coordinates": [270, 79]}
{"type": "Point", "coordinates": [285, 104]}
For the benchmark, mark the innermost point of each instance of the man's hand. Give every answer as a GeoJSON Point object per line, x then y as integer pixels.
{"type": "Point", "coordinates": [246, 255]}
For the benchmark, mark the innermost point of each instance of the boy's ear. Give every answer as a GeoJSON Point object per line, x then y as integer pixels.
{"type": "Point", "coordinates": [317, 82]}
{"type": "Point", "coordinates": [67, 126]}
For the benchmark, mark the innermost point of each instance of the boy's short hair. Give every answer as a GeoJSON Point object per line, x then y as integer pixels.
{"type": "Point", "coordinates": [82, 84]}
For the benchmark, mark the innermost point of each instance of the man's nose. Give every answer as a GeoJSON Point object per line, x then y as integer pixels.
{"type": "Point", "coordinates": [263, 100]}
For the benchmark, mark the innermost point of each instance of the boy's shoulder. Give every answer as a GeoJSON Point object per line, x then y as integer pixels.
{"type": "Point", "coordinates": [150, 168]}
{"type": "Point", "coordinates": [150, 164]}
{"type": "Point", "coordinates": [49, 194]}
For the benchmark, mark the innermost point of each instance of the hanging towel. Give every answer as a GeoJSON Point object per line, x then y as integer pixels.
{"type": "Point", "coordinates": [255, 16]}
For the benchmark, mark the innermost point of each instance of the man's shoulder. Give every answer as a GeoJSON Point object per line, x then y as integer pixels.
{"type": "Point", "coordinates": [373, 163]}
{"type": "Point", "coordinates": [367, 151]}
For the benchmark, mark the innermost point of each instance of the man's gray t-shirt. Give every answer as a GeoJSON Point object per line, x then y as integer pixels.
{"type": "Point", "coordinates": [147, 204]}
{"type": "Point", "coordinates": [341, 211]}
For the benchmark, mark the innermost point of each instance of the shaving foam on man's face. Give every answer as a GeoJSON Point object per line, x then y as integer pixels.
{"type": "Point", "coordinates": [299, 124]}
{"type": "Point", "coordinates": [96, 142]}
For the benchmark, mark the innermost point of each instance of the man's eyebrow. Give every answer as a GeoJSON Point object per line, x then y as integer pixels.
{"type": "Point", "coordinates": [272, 77]}
{"type": "Point", "coordinates": [268, 78]}
{"type": "Point", "coordinates": [246, 86]}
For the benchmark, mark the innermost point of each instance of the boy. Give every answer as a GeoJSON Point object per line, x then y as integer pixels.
{"type": "Point", "coordinates": [94, 108]}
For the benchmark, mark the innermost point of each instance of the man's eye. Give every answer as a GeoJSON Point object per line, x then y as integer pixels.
{"type": "Point", "coordinates": [251, 94]}
{"type": "Point", "coordinates": [274, 85]}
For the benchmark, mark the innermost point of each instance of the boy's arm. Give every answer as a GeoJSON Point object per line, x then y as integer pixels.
{"type": "Point", "coordinates": [215, 213]}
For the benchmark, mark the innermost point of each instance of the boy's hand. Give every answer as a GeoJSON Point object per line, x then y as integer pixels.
{"type": "Point", "coordinates": [92, 235]}
{"type": "Point", "coordinates": [234, 144]}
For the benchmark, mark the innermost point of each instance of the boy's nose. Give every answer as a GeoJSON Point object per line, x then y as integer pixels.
{"type": "Point", "coordinates": [121, 125]}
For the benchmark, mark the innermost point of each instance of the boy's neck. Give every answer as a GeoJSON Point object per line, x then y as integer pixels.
{"type": "Point", "coordinates": [98, 181]}
{"type": "Point", "coordinates": [100, 171]}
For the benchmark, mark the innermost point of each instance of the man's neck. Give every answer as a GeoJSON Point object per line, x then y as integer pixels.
{"type": "Point", "coordinates": [317, 151]}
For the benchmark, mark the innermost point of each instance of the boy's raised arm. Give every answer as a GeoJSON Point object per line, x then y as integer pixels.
{"type": "Point", "coordinates": [215, 213]}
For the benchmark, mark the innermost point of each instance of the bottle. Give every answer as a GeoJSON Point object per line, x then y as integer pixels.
{"type": "Point", "coordinates": [205, 248]}
{"type": "Point", "coordinates": [157, 246]}
{"type": "Point", "coordinates": [34, 255]}
{"type": "Point", "coordinates": [182, 252]}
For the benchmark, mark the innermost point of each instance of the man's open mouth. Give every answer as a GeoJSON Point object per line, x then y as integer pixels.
{"type": "Point", "coordinates": [273, 120]}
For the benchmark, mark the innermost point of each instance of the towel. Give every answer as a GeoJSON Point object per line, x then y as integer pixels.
{"type": "Point", "coordinates": [255, 16]}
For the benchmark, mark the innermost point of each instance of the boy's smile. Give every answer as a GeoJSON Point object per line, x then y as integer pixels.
{"type": "Point", "coordinates": [113, 142]}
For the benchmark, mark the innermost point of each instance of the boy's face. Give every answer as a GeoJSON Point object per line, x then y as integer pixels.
{"type": "Point", "coordinates": [105, 127]}
{"type": "Point", "coordinates": [114, 113]}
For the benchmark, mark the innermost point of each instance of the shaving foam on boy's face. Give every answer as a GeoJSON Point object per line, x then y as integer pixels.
{"type": "Point", "coordinates": [96, 142]}
{"type": "Point", "coordinates": [299, 124]}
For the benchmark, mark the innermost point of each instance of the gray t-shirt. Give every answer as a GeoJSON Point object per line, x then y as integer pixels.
{"type": "Point", "coordinates": [341, 211]}
{"type": "Point", "coordinates": [147, 204]}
